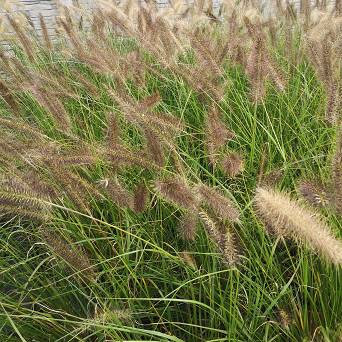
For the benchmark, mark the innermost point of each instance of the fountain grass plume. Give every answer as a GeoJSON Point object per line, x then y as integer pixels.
{"type": "Point", "coordinates": [288, 218]}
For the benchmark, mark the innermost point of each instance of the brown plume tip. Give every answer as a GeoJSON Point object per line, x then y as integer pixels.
{"type": "Point", "coordinates": [221, 237]}
{"type": "Point", "coordinates": [284, 318]}
{"type": "Point", "coordinates": [150, 102]}
{"type": "Point", "coordinates": [16, 198]}
{"type": "Point", "coordinates": [313, 192]}
{"type": "Point", "coordinates": [117, 193]}
{"type": "Point", "coordinates": [336, 174]}
{"type": "Point", "coordinates": [8, 97]}
{"type": "Point", "coordinates": [154, 147]}
{"type": "Point", "coordinates": [75, 256]}
{"type": "Point", "coordinates": [219, 203]}
{"type": "Point", "coordinates": [113, 131]}
{"type": "Point", "coordinates": [216, 134]}
{"type": "Point", "coordinates": [188, 259]}
{"type": "Point", "coordinates": [177, 191]}
{"type": "Point", "coordinates": [188, 226]}
{"type": "Point", "coordinates": [233, 164]}
{"type": "Point", "coordinates": [140, 198]}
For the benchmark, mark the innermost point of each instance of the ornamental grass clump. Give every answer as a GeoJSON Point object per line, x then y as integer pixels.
{"type": "Point", "coordinates": [132, 140]}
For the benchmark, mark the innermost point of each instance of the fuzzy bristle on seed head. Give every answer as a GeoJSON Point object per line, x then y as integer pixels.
{"type": "Point", "coordinates": [233, 164]}
{"type": "Point", "coordinates": [75, 256]}
{"type": "Point", "coordinates": [7, 95]}
{"type": "Point", "coordinates": [229, 245]}
{"type": "Point", "coordinates": [154, 147]}
{"type": "Point", "coordinates": [149, 102]}
{"type": "Point", "coordinates": [313, 192]}
{"type": "Point", "coordinates": [39, 185]}
{"type": "Point", "coordinates": [122, 156]}
{"type": "Point", "coordinates": [118, 194]}
{"type": "Point", "coordinates": [188, 259]}
{"type": "Point", "coordinates": [77, 188]}
{"type": "Point", "coordinates": [53, 105]}
{"type": "Point", "coordinates": [113, 131]}
{"type": "Point", "coordinates": [19, 199]}
{"type": "Point", "coordinates": [216, 135]}
{"type": "Point", "coordinates": [177, 191]}
{"type": "Point", "coordinates": [210, 226]}
{"type": "Point", "coordinates": [221, 237]}
{"type": "Point", "coordinates": [45, 32]}
{"type": "Point", "coordinates": [333, 112]}
{"type": "Point", "coordinates": [336, 173]}
{"type": "Point", "coordinates": [216, 127]}
{"type": "Point", "coordinates": [188, 226]}
{"type": "Point", "coordinates": [140, 198]}
{"type": "Point", "coordinates": [22, 37]}
{"type": "Point", "coordinates": [107, 315]}
{"type": "Point", "coordinates": [289, 219]}
{"type": "Point", "coordinates": [284, 318]}
{"type": "Point", "coordinates": [218, 202]}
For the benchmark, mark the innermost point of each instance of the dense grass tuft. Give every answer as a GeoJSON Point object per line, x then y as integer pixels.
{"type": "Point", "coordinates": [142, 158]}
